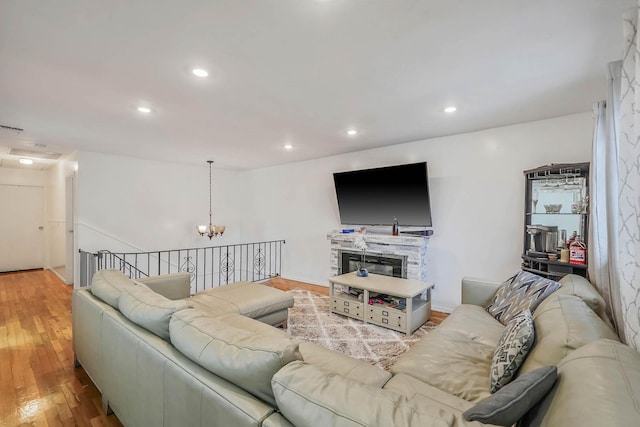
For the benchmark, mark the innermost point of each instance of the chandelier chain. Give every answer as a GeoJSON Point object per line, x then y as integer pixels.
{"type": "Point", "coordinates": [210, 190]}
{"type": "Point", "coordinates": [210, 230]}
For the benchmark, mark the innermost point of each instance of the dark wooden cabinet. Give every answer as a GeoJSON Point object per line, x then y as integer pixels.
{"type": "Point", "coordinates": [556, 207]}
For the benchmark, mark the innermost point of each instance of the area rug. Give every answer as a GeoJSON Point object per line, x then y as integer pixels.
{"type": "Point", "coordinates": [310, 320]}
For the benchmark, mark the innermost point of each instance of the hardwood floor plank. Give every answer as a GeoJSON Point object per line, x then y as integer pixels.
{"type": "Point", "coordinates": [38, 384]}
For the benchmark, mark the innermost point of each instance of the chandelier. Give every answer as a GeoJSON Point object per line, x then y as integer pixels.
{"type": "Point", "coordinates": [210, 230]}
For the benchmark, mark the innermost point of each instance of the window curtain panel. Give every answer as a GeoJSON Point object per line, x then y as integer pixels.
{"type": "Point", "coordinates": [603, 231]}
{"type": "Point", "coordinates": [629, 184]}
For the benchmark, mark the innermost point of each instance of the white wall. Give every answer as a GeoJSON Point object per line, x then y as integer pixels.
{"type": "Point", "coordinates": [15, 176]}
{"type": "Point", "coordinates": [477, 197]}
{"type": "Point", "coordinates": [56, 227]}
{"type": "Point", "coordinates": [129, 204]}
{"type": "Point", "coordinates": [476, 182]}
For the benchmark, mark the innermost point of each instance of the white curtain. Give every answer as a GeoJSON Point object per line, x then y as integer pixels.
{"type": "Point", "coordinates": [603, 238]}
{"type": "Point", "coordinates": [628, 263]}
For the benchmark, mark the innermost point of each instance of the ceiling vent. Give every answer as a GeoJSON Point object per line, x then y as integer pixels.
{"type": "Point", "coordinates": [24, 152]}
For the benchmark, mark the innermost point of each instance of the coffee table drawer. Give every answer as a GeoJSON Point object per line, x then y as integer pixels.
{"type": "Point", "coordinates": [388, 318]}
{"type": "Point", "coordinates": [348, 308]}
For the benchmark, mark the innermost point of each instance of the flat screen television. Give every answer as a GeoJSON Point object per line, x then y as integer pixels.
{"type": "Point", "coordinates": [377, 196]}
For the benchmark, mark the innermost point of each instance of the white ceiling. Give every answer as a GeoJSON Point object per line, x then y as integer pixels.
{"type": "Point", "coordinates": [72, 72]}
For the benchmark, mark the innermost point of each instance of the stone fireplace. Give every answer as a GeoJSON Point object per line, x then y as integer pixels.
{"type": "Point", "coordinates": [400, 256]}
{"type": "Point", "coordinates": [388, 265]}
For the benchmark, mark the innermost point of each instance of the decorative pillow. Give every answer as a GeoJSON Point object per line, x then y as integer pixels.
{"type": "Point", "coordinates": [148, 309]}
{"type": "Point", "coordinates": [524, 291]}
{"type": "Point", "coordinates": [513, 346]}
{"type": "Point", "coordinates": [513, 401]}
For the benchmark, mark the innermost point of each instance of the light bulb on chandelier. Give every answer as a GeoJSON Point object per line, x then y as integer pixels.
{"type": "Point", "coordinates": [210, 230]}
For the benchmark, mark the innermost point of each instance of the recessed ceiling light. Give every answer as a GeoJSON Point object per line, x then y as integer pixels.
{"type": "Point", "coordinates": [200, 72]}
{"type": "Point", "coordinates": [288, 147]}
{"type": "Point", "coordinates": [145, 110]}
{"type": "Point", "coordinates": [26, 161]}
{"type": "Point", "coordinates": [451, 109]}
{"type": "Point", "coordinates": [352, 132]}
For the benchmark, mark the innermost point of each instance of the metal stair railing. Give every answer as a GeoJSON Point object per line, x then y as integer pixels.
{"type": "Point", "coordinates": [209, 267]}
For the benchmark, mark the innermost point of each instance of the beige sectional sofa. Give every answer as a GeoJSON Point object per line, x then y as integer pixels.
{"type": "Point", "coordinates": [226, 369]}
{"type": "Point", "coordinates": [150, 381]}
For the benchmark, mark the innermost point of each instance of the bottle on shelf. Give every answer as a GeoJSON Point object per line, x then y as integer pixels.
{"type": "Point", "coordinates": [562, 244]}
{"type": "Point", "coordinates": [578, 251]}
{"type": "Point", "coordinates": [572, 238]}
{"type": "Point", "coordinates": [394, 229]}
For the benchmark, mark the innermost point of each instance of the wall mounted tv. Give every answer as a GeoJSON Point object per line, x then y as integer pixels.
{"type": "Point", "coordinates": [377, 196]}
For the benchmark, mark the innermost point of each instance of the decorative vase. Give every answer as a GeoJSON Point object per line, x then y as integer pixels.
{"type": "Point", "coordinates": [363, 272]}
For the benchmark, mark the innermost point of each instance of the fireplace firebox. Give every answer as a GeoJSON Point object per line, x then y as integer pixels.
{"type": "Point", "coordinates": [388, 265]}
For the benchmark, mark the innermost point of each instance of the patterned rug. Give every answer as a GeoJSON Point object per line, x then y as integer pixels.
{"type": "Point", "coordinates": [310, 320]}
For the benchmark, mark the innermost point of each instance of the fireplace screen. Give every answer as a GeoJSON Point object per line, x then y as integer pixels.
{"type": "Point", "coordinates": [388, 265]}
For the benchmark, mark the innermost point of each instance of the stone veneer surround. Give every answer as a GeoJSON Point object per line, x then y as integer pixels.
{"type": "Point", "coordinates": [413, 247]}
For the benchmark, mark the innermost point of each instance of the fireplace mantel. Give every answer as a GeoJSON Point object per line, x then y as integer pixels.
{"type": "Point", "coordinates": [413, 247]}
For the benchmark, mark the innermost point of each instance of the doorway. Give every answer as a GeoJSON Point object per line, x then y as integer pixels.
{"type": "Point", "coordinates": [69, 218]}
{"type": "Point", "coordinates": [21, 227]}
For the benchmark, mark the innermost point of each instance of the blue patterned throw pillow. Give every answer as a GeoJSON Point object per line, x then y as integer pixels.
{"type": "Point", "coordinates": [524, 291]}
{"type": "Point", "coordinates": [513, 347]}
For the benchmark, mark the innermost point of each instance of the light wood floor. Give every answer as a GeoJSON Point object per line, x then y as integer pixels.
{"type": "Point", "coordinates": [38, 384]}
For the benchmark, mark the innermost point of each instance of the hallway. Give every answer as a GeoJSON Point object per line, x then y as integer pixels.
{"type": "Point", "coordinates": [38, 383]}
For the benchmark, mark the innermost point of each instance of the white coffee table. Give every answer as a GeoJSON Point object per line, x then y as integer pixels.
{"type": "Point", "coordinates": [415, 294]}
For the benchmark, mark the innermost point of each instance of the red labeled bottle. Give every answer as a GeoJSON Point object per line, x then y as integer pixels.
{"type": "Point", "coordinates": [578, 252]}
{"type": "Point", "coordinates": [394, 229]}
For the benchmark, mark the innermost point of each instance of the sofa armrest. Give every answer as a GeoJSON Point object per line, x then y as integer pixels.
{"type": "Point", "coordinates": [478, 291]}
{"type": "Point", "coordinates": [173, 286]}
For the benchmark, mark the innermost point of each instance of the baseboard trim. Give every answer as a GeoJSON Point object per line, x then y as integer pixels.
{"type": "Point", "coordinates": [64, 280]}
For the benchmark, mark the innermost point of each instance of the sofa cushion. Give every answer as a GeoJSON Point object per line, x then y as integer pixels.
{"type": "Point", "coordinates": [411, 387]}
{"type": "Point", "coordinates": [578, 286]}
{"type": "Point", "coordinates": [251, 325]}
{"type": "Point", "coordinates": [524, 291]}
{"type": "Point", "coordinates": [598, 385]}
{"type": "Point", "coordinates": [246, 298]}
{"type": "Point", "coordinates": [562, 325]}
{"type": "Point", "coordinates": [244, 358]}
{"type": "Point", "coordinates": [108, 284]}
{"type": "Point", "coordinates": [514, 400]}
{"type": "Point", "coordinates": [516, 341]}
{"type": "Point", "coordinates": [452, 360]}
{"type": "Point", "coordinates": [343, 365]}
{"type": "Point", "coordinates": [148, 309]}
{"type": "Point", "coordinates": [475, 322]}
{"type": "Point", "coordinates": [311, 396]}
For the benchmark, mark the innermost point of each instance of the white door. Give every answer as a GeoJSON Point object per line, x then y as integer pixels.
{"type": "Point", "coordinates": [21, 227]}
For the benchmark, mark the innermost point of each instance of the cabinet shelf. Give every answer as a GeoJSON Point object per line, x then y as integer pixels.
{"type": "Point", "coordinates": [548, 261]}
{"type": "Point", "coordinates": [556, 214]}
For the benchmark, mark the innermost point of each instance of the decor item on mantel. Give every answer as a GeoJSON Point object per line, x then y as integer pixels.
{"type": "Point", "coordinates": [210, 230]}
{"type": "Point", "coordinates": [359, 243]}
